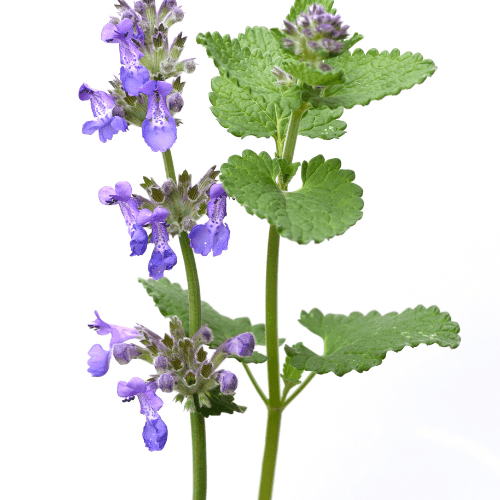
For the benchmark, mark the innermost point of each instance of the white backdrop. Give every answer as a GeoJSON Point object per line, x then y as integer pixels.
{"type": "Point", "coordinates": [423, 425]}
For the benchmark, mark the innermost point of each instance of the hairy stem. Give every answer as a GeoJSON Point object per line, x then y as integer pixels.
{"type": "Point", "coordinates": [272, 345]}
{"type": "Point", "coordinates": [198, 434]}
{"type": "Point", "coordinates": [193, 284]}
{"type": "Point", "coordinates": [199, 456]}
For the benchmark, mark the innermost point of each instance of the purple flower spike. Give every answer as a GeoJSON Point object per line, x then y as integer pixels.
{"type": "Point", "coordinates": [214, 234]}
{"type": "Point", "coordinates": [155, 431]}
{"type": "Point", "coordinates": [163, 257]}
{"type": "Point", "coordinates": [102, 108]}
{"type": "Point", "coordinates": [99, 358]}
{"type": "Point", "coordinates": [227, 381]}
{"type": "Point", "coordinates": [129, 206]}
{"type": "Point", "coordinates": [241, 345]}
{"type": "Point", "coordinates": [132, 74]}
{"type": "Point", "coordinates": [158, 129]}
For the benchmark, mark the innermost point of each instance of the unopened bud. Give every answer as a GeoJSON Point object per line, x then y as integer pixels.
{"type": "Point", "coordinates": [175, 102]}
{"type": "Point", "coordinates": [166, 382]}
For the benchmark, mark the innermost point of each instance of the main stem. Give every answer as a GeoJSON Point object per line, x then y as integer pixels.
{"type": "Point", "coordinates": [198, 434]}
{"type": "Point", "coordinates": [275, 406]}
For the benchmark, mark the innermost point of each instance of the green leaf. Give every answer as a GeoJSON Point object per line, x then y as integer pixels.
{"type": "Point", "coordinates": [358, 342]}
{"type": "Point", "coordinates": [172, 300]}
{"type": "Point", "coordinates": [326, 206]}
{"type": "Point", "coordinates": [372, 76]}
{"type": "Point", "coordinates": [301, 6]}
{"type": "Point", "coordinates": [245, 98]}
{"type": "Point", "coordinates": [221, 403]}
{"type": "Point", "coordinates": [322, 123]}
{"type": "Point", "coordinates": [291, 376]}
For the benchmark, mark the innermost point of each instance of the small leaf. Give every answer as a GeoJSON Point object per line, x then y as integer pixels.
{"type": "Point", "coordinates": [358, 342]}
{"type": "Point", "coordinates": [291, 376]}
{"type": "Point", "coordinates": [326, 206]}
{"type": "Point", "coordinates": [220, 403]}
{"type": "Point", "coordinates": [172, 300]}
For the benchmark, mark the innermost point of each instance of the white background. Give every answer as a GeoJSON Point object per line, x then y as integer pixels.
{"type": "Point", "coordinates": [423, 425]}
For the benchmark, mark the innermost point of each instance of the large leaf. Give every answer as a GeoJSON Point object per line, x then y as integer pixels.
{"type": "Point", "coordinates": [326, 206]}
{"type": "Point", "coordinates": [358, 342]}
{"type": "Point", "coordinates": [172, 300]}
{"type": "Point", "coordinates": [372, 76]}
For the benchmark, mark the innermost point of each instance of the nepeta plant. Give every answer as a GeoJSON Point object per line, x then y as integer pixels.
{"type": "Point", "coordinates": [279, 83]}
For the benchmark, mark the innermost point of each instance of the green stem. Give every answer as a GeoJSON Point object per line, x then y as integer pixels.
{"type": "Point", "coordinates": [273, 368]}
{"type": "Point", "coordinates": [199, 456]}
{"type": "Point", "coordinates": [293, 131]}
{"type": "Point", "coordinates": [198, 434]}
{"type": "Point", "coordinates": [169, 164]}
{"type": "Point", "coordinates": [255, 383]}
{"type": "Point", "coordinates": [272, 346]}
{"type": "Point", "coordinates": [193, 284]}
{"type": "Point", "coordinates": [299, 389]}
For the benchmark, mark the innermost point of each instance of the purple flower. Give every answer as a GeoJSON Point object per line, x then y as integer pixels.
{"type": "Point", "coordinates": [122, 195]}
{"type": "Point", "coordinates": [155, 431]}
{"type": "Point", "coordinates": [99, 358]}
{"type": "Point", "coordinates": [228, 381]}
{"type": "Point", "coordinates": [102, 108]}
{"type": "Point", "coordinates": [158, 129]}
{"type": "Point", "coordinates": [132, 74]}
{"type": "Point", "coordinates": [241, 345]}
{"type": "Point", "coordinates": [214, 234]}
{"type": "Point", "coordinates": [163, 257]}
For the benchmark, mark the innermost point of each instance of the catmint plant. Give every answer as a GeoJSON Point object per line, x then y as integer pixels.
{"type": "Point", "coordinates": [292, 80]}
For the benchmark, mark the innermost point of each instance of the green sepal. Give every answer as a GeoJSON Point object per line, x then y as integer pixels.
{"type": "Point", "coordinates": [219, 404]}
{"type": "Point", "coordinates": [359, 342]}
{"type": "Point", "coordinates": [172, 300]}
{"type": "Point", "coordinates": [326, 206]}
{"type": "Point", "coordinates": [371, 76]}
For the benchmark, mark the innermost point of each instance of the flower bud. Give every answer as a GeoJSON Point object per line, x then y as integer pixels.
{"type": "Point", "coordinates": [227, 381]}
{"type": "Point", "coordinates": [124, 353]}
{"type": "Point", "coordinates": [175, 102]}
{"type": "Point", "coordinates": [161, 363]}
{"type": "Point", "coordinates": [166, 382]}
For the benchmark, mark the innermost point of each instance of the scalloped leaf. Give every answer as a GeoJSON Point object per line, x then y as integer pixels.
{"type": "Point", "coordinates": [326, 206]}
{"type": "Point", "coordinates": [322, 123]}
{"type": "Point", "coordinates": [245, 98]}
{"type": "Point", "coordinates": [372, 76]}
{"type": "Point", "coordinates": [172, 300]}
{"type": "Point", "coordinates": [358, 342]}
